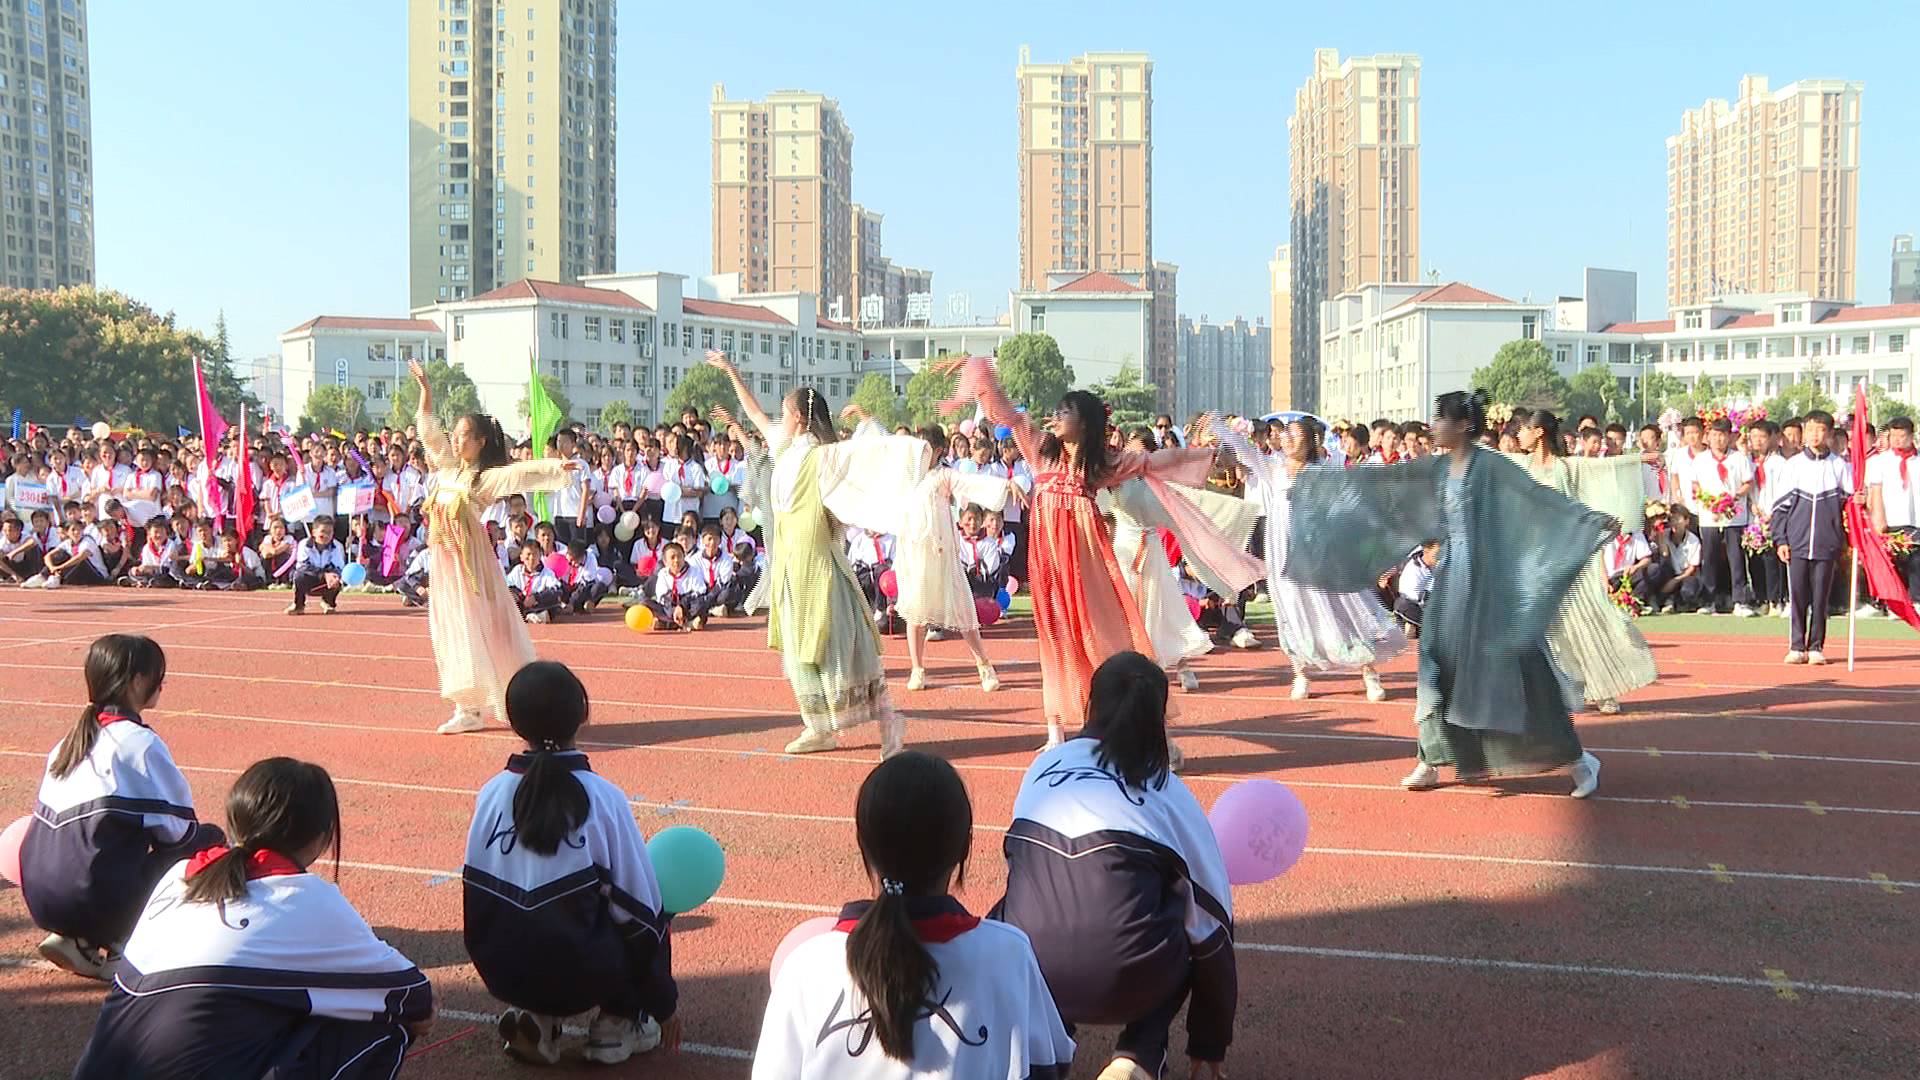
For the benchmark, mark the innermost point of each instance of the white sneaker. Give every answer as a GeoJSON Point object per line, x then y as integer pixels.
{"type": "Point", "coordinates": [296, 609]}
{"type": "Point", "coordinates": [722, 611]}
{"type": "Point", "coordinates": [1795, 656]}
{"type": "Point", "coordinates": [536, 617]}
{"type": "Point", "coordinates": [37, 581]}
{"type": "Point", "coordinates": [1424, 777]}
{"type": "Point", "coordinates": [52, 583]}
{"type": "Point", "coordinates": [917, 679]}
{"type": "Point", "coordinates": [1375, 692]}
{"type": "Point", "coordinates": [1865, 611]}
{"type": "Point", "coordinates": [461, 722]}
{"type": "Point", "coordinates": [74, 957]}
{"type": "Point", "coordinates": [1742, 611]}
{"type": "Point", "coordinates": [1300, 690]}
{"type": "Point", "coordinates": [1816, 657]}
{"type": "Point", "coordinates": [812, 742]}
{"type": "Point", "coordinates": [530, 1037]}
{"type": "Point", "coordinates": [1123, 1069]}
{"type": "Point", "coordinates": [1188, 680]}
{"type": "Point", "coordinates": [1586, 775]}
{"type": "Point", "coordinates": [989, 679]}
{"type": "Point", "coordinates": [612, 1039]}
{"type": "Point", "coordinates": [327, 607]}
{"type": "Point", "coordinates": [1607, 706]}
{"type": "Point", "coordinates": [1243, 639]}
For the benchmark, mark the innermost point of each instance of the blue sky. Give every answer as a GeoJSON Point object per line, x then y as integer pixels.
{"type": "Point", "coordinates": [252, 156]}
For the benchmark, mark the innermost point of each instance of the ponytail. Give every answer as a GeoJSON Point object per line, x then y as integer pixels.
{"type": "Point", "coordinates": [278, 805]}
{"type": "Point", "coordinates": [891, 968]}
{"type": "Point", "coordinates": [1127, 713]}
{"type": "Point", "coordinates": [546, 704]}
{"type": "Point", "coordinates": [549, 803]}
{"type": "Point", "coordinates": [121, 670]}
{"type": "Point", "coordinates": [219, 880]}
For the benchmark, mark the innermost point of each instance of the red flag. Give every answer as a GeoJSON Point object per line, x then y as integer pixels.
{"type": "Point", "coordinates": [1883, 581]}
{"type": "Point", "coordinates": [243, 483]}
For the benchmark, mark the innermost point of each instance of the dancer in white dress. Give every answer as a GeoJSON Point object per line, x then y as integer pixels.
{"type": "Point", "coordinates": [1149, 576]}
{"type": "Point", "coordinates": [1319, 630]}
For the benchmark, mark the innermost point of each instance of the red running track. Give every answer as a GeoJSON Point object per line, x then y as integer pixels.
{"type": "Point", "coordinates": [1740, 899]}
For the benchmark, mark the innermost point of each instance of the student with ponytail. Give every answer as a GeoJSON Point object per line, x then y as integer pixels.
{"type": "Point", "coordinates": [479, 636]}
{"type": "Point", "coordinates": [246, 963]}
{"type": "Point", "coordinates": [562, 907]}
{"type": "Point", "coordinates": [114, 813]}
{"type": "Point", "coordinates": [1115, 875]}
{"type": "Point", "coordinates": [908, 984]}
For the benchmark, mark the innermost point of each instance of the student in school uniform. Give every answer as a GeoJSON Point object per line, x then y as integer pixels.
{"type": "Point", "coordinates": [144, 487]}
{"type": "Point", "coordinates": [871, 555]}
{"type": "Point", "coordinates": [909, 984]}
{"type": "Point", "coordinates": [714, 567]}
{"type": "Point", "coordinates": [1724, 471]}
{"type": "Point", "coordinates": [20, 554]}
{"type": "Point", "coordinates": [202, 558]}
{"type": "Point", "coordinates": [115, 556]}
{"type": "Point", "coordinates": [611, 557]}
{"type": "Point", "coordinates": [627, 481]}
{"type": "Point", "coordinates": [363, 546]}
{"type": "Point", "coordinates": [154, 570]}
{"type": "Point", "coordinates": [114, 813]}
{"type": "Point", "coordinates": [1115, 875]}
{"type": "Point", "coordinates": [684, 472]}
{"type": "Point", "coordinates": [412, 585]}
{"type": "Point", "coordinates": [246, 963]}
{"type": "Point", "coordinates": [276, 552]}
{"type": "Point", "coordinates": [648, 548]}
{"type": "Point", "coordinates": [1415, 584]}
{"type": "Point", "coordinates": [1675, 573]}
{"type": "Point", "coordinates": [75, 560]}
{"type": "Point", "coordinates": [562, 909]}
{"type": "Point", "coordinates": [65, 481]}
{"type": "Point", "coordinates": [1808, 532]}
{"type": "Point", "coordinates": [1016, 510]}
{"type": "Point", "coordinates": [536, 592]}
{"type": "Point", "coordinates": [750, 563]}
{"type": "Point", "coordinates": [1893, 495]}
{"type": "Point", "coordinates": [721, 461]}
{"type": "Point", "coordinates": [318, 563]}
{"type": "Point", "coordinates": [1628, 560]}
{"type": "Point", "coordinates": [679, 597]}
{"type": "Point", "coordinates": [571, 505]}
{"type": "Point", "coordinates": [244, 571]}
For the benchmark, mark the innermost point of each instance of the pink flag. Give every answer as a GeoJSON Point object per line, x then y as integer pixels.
{"type": "Point", "coordinates": [211, 426]}
{"type": "Point", "coordinates": [390, 545]}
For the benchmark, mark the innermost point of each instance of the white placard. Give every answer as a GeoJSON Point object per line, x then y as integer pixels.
{"type": "Point", "coordinates": [296, 503]}
{"type": "Point", "coordinates": [355, 499]}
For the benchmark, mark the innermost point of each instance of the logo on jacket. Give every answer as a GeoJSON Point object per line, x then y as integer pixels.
{"type": "Point", "coordinates": [859, 1027]}
{"type": "Point", "coordinates": [1057, 774]}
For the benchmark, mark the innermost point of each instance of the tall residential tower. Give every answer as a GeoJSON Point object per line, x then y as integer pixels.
{"type": "Point", "coordinates": [1086, 165]}
{"type": "Point", "coordinates": [1354, 189]}
{"type": "Point", "coordinates": [44, 106]}
{"type": "Point", "coordinates": [511, 149]}
{"type": "Point", "coordinates": [783, 196]}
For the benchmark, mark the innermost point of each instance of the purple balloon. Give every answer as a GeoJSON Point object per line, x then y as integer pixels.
{"type": "Point", "coordinates": [1262, 830]}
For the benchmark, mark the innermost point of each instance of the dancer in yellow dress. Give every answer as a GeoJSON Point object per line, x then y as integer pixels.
{"type": "Point", "coordinates": [479, 640]}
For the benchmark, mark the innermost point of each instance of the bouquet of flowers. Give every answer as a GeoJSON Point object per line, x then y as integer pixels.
{"type": "Point", "coordinates": [1498, 414]}
{"type": "Point", "coordinates": [1720, 506]}
{"type": "Point", "coordinates": [1623, 598]}
{"type": "Point", "coordinates": [1753, 539]}
{"type": "Point", "coordinates": [1899, 544]}
{"type": "Point", "coordinates": [1656, 514]}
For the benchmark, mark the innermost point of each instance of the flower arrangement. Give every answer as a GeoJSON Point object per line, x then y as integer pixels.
{"type": "Point", "coordinates": [1753, 539]}
{"type": "Point", "coordinates": [1737, 416]}
{"type": "Point", "coordinates": [1722, 505]}
{"type": "Point", "coordinates": [1498, 414]}
{"type": "Point", "coordinates": [1656, 514]}
{"type": "Point", "coordinates": [1899, 544]}
{"type": "Point", "coordinates": [1623, 598]}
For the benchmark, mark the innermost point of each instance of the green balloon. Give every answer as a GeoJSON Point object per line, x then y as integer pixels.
{"type": "Point", "coordinates": [689, 866]}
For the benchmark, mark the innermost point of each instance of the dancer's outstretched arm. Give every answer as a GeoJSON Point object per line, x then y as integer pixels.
{"type": "Point", "coordinates": [749, 404]}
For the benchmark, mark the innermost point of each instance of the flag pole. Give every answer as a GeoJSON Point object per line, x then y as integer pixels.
{"type": "Point", "coordinates": [1853, 603]}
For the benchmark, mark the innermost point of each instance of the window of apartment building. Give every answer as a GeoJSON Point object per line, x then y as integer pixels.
{"type": "Point", "coordinates": [669, 377]}
{"type": "Point", "coordinates": [1037, 318]}
{"type": "Point", "coordinates": [592, 374]}
{"type": "Point", "coordinates": [766, 385]}
{"type": "Point", "coordinates": [833, 350]}
{"type": "Point", "coordinates": [566, 373]}
{"type": "Point", "coordinates": [686, 336]}
{"type": "Point", "coordinates": [786, 351]}
{"type": "Point", "coordinates": [766, 344]}
{"type": "Point", "coordinates": [590, 327]}
{"type": "Point", "coordinates": [593, 419]}
{"type": "Point", "coordinates": [706, 337]}
{"type": "Point", "coordinates": [726, 342]}
{"type": "Point", "coordinates": [1896, 383]}
{"type": "Point", "coordinates": [556, 324]}
{"type": "Point", "coordinates": [1690, 320]}
{"type": "Point", "coordinates": [1896, 343]}
{"type": "Point", "coordinates": [1563, 355]}
{"type": "Point", "coordinates": [1815, 347]}
{"type": "Point", "coordinates": [1791, 314]}
{"type": "Point", "coordinates": [833, 387]}
{"type": "Point", "coordinates": [1720, 350]}
{"type": "Point", "coordinates": [459, 328]}
{"type": "Point", "coordinates": [377, 389]}
{"type": "Point", "coordinates": [617, 330]}
{"type": "Point", "coordinates": [1529, 327]}
{"type": "Point", "coordinates": [1593, 355]}
{"type": "Point", "coordinates": [616, 375]}
{"type": "Point", "coordinates": [1860, 344]}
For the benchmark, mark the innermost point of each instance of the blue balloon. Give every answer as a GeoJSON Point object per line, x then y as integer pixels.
{"type": "Point", "coordinates": [354, 574]}
{"type": "Point", "coordinates": [720, 484]}
{"type": "Point", "coordinates": [1003, 599]}
{"type": "Point", "coordinates": [1003, 432]}
{"type": "Point", "coordinates": [689, 866]}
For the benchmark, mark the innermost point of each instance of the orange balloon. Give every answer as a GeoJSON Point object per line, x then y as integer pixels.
{"type": "Point", "coordinates": [639, 618]}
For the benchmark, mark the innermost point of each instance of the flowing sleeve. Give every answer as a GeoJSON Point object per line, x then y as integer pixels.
{"type": "Point", "coordinates": [1613, 486]}
{"type": "Point", "coordinates": [1347, 525]}
{"type": "Point", "coordinates": [433, 438]}
{"type": "Point", "coordinates": [984, 490]}
{"type": "Point", "coordinates": [1255, 462]}
{"type": "Point", "coordinates": [1212, 529]}
{"type": "Point", "coordinates": [977, 381]}
{"type": "Point", "coordinates": [870, 482]}
{"type": "Point", "coordinates": [541, 474]}
{"type": "Point", "coordinates": [1538, 536]}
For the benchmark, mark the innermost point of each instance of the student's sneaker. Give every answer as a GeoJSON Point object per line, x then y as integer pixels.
{"type": "Point", "coordinates": [917, 679]}
{"type": "Point", "coordinates": [1742, 611]}
{"type": "Point", "coordinates": [461, 722]}
{"type": "Point", "coordinates": [1424, 777]}
{"type": "Point", "coordinates": [1816, 657]}
{"type": "Point", "coordinates": [530, 1037]}
{"type": "Point", "coordinates": [1176, 757]}
{"type": "Point", "coordinates": [1607, 706]}
{"type": "Point", "coordinates": [52, 583]}
{"type": "Point", "coordinates": [722, 611]}
{"type": "Point", "coordinates": [1864, 611]}
{"type": "Point", "coordinates": [1124, 1069]}
{"type": "Point", "coordinates": [613, 1039]}
{"type": "Point", "coordinates": [699, 622]}
{"type": "Point", "coordinates": [327, 607]}
{"type": "Point", "coordinates": [296, 609]}
{"type": "Point", "coordinates": [1188, 680]}
{"type": "Point", "coordinates": [989, 679]}
{"type": "Point", "coordinates": [537, 617]}
{"type": "Point", "coordinates": [1371, 678]}
{"type": "Point", "coordinates": [1300, 690]}
{"type": "Point", "coordinates": [73, 956]}
{"type": "Point", "coordinates": [1586, 775]}
{"type": "Point", "coordinates": [1795, 656]}
{"type": "Point", "coordinates": [37, 581]}
{"type": "Point", "coordinates": [1243, 639]}
{"type": "Point", "coordinates": [936, 634]}
{"type": "Point", "coordinates": [812, 742]}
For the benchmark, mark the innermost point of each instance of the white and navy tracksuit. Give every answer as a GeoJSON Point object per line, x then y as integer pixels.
{"type": "Point", "coordinates": [1125, 895]}
{"type": "Point", "coordinates": [105, 832]}
{"type": "Point", "coordinates": [990, 1016]}
{"type": "Point", "coordinates": [288, 981]}
{"type": "Point", "coordinates": [576, 930]}
{"type": "Point", "coordinates": [1809, 518]}
{"type": "Point", "coordinates": [311, 564]}
{"type": "Point", "coordinates": [411, 582]}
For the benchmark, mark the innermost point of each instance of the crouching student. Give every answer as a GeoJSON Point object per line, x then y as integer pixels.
{"type": "Point", "coordinates": [114, 813]}
{"type": "Point", "coordinates": [75, 560]}
{"type": "Point", "coordinates": [536, 592]}
{"type": "Point", "coordinates": [1628, 560]}
{"type": "Point", "coordinates": [243, 569]}
{"type": "Point", "coordinates": [1414, 586]}
{"type": "Point", "coordinates": [750, 562]}
{"type": "Point", "coordinates": [20, 558]}
{"type": "Point", "coordinates": [155, 568]}
{"type": "Point", "coordinates": [679, 600]}
{"type": "Point", "coordinates": [591, 582]}
{"type": "Point", "coordinates": [1114, 873]}
{"type": "Point", "coordinates": [719, 574]}
{"type": "Point", "coordinates": [318, 565]}
{"type": "Point", "coordinates": [562, 908]}
{"type": "Point", "coordinates": [276, 551]}
{"type": "Point", "coordinates": [245, 963]}
{"type": "Point", "coordinates": [412, 585]}
{"type": "Point", "coordinates": [908, 984]}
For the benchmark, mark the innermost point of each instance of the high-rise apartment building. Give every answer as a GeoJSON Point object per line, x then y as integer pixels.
{"type": "Point", "coordinates": [511, 153]}
{"type": "Point", "coordinates": [869, 266]}
{"type": "Point", "coordinates": [1223, 369]}
{"type": "Point", "coordinates": [1354, 190]}
{"type": "Point", "coordinates": [783, 196]}
{"type": "Point", "coordinates": [1762, 195]}
{"type": "Point", "coordinates": [1906, 271]}
{"type": "Point", "coordinates": [1086, 165]}
{"type": "Point", "coordinates": [1280, 334]}
{"type": "Point", "coordinates": [1163, 363]}
{"type": "Point", "coordinates": [47, 124]}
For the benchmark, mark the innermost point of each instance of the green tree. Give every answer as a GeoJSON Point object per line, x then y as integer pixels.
{"type": "Point", "coordinates": [1521, 374]}
{"type": "Point", "coordinates": [925, 391]}
{"type": "Point", "coordinates": [1800, 399]}
{"type": "Point", "coordinates": [340, 408]}
{"type": "Point", "coordinates": [1882, 407]}
{"type": "Point", "coordinates": [559, 396]}
{"type": "Point", "coordinates": [876, 398]}
{"type": "Point", "coordinates": [617, 411]}
{"type": "Point", "coordinates": [1595, 390]}
{"type": "Point", "coordinates": [74, 353]}
{"type": "Point", "coordinates": [1658, 391]}
{"type": "Point", "coordinates": [702, 387]}
{"type": "Point", "coordinates": [1134, 403]}
{"type": "Point", "coordinates": [1032, 371]}
{"type": "Point", "coordinates": [454, 396]}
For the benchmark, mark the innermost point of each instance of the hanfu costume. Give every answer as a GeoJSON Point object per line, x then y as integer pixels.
{"type": "Point", "coordinates": [1138, 518]}
{"type": "Point", "coordinates": [756, 494]}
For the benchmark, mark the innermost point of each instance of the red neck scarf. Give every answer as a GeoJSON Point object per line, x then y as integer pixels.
{"type": "Point", "coordinates": [111, 715]}
{"type": "Point", "coordinates": [259, 863]}
{"type": "Point", "coordinates": [1903, 455]}
{"type": "Point", "coordinates": [1760, 472]}
{"type": "Point", "coordinates": [1720, 462]}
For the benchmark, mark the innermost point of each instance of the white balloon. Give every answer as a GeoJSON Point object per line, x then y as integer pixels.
{"type": "Point", "coordinates": [101, 430]}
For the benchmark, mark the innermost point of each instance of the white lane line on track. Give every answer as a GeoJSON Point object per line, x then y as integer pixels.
{"type": "Point", "coordinates": [1348, 852]}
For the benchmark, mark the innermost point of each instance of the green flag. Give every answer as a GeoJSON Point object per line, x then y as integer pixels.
{"type": "Point", "coordinates": [545, 416]}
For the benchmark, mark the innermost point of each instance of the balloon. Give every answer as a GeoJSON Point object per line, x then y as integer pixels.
{"type": "Point", "coordinates": [747, 520]}
{"type": "Point", "coordinates": [797, 937]}
{"type": "Point", "coordinates": [631, 520]}
{"type": "Point", "coordinates": [623, 532]}
{"type": "Point", "coordinates": [1013, 586]}
{"type": "Point", "coordinates": [968, 427]}
{"type": "Point", "coordinates": [720, 484]}
{"type": "Point", "coordinates": [986, 609]}
{"type": "Point", "coordinates": [688, 864]}
{"type": "Point", "coordinates": [560, 567]}
{"type": "Point", "coordinates": [1003, 432]}
{"type": "Point", "coordinates": [670, 492]}
{"type": "Point", "coordinates": [606, 514]}
{"type": "Point", "coordinates": [10, 842]}
{"type": "Point", "coordinates": [354, 574]}
{"type": "Point", "coordinates": [889, 585]}
{"type": "Point", "coordinates": [1193, 607]}
{"type": "Point", "coordinates": [101, 429]}
{"type": "Point", "coordinates": [639, 618]}
{"type": "Point", "coordinates": [1262, 830]}
{"type": "Point", "coordinates": [1002, 600]}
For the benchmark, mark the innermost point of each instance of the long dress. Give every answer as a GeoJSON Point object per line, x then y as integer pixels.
{"type": "Point", "coordinates": [756, 494]}
{"type": "Point", "coordinates": [1163, 609]}
{"type": "Point", "coordinates": [1082, 608]}
{"type": "Point", "coordinates": [1593, 640]}
{"type": "Point", "coordinates": [1491, 700]}
{"type": "Point", "coordinates": [479, 638]}
{"type": "Point", "coordinates": [1318, 630]}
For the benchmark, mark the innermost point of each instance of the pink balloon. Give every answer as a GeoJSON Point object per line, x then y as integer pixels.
{"type": "Point", "coordinates": [988, 611]}
{"type": "Point", "coordinates": [1013, 586]}
{"type": "Point", "coordinates": [561, 568]}
{"type": "Point", "coordinates": [797, 937]}
{"type": "Point", "coordinates": [1193, 606]}
{"type": "Point", "coordinates": [1262, 829]}
{"type": "Point", "coordinates": [889, 585]}
{"type": "Point", "coordinates": [10, 841]}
